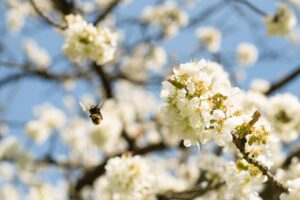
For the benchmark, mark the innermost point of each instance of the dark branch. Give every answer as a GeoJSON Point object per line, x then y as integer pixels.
{"type": "Point", "coordinates": [289, 159]}
{"type": "Point", "coordinates": [64, 6]}
{"type": "Point", "coordinates": [109, 9]}
{"type": "Point", "coordinates": [41, 74]}
{"type": "Point", "coordinates": [251, 6]}
{"type": "Point", "coordinates": [190, 194]}
{"type": "Point", "coordinates": [105, 80]}
{"type": "Point", "coordinates": [284, 81]}
{"type": "Point", "coordinates": [90, 176]}
{"type": "Point", "coordinates": [45, 17]}
{"type": "Point", "coordinates": [240, 144]}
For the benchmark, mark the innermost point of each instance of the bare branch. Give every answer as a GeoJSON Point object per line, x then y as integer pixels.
{"type": "Point", "coordinates": [90, 176]}
{"type": "Point", "coordinates": [46, 18]}
{"type": "Point", "coordinates": [251, 6]}
{"type": "Point", "coordinates": [240, 144]}
{"type": "Point", "coordinates": [105, 80]}
{"type": "Point", "coordinates": [283, 81]}
{"type": "Point", "coordinates": [64, 6]}
{"type": "Point", "coordinates": [107, 11]}
{"type": "Point", "coordinates": [190, 194]}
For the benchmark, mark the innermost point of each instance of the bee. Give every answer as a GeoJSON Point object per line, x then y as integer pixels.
{"type": "Point", "coordinates": [94, 112]}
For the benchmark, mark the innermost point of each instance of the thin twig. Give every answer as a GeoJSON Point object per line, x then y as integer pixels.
{"type": "Point", "coordinates": [104, 79]}
{"type": "Point", "coordinates": [290, 157]}
{"type": "Point", "coordinates": [107, 11]}
{"type": "Point", "coordinates": [240, 144]}
{"type": "Point", "coordinates": [190, 194]}
{"type": "Point", "coordinates": [252, 7]}
{"type": "Point", "coordinates": [90, 176]}
{"type": "Point", "coordinates": [284, 81]}
{"type": "Point", "coordinates": [45, 17]}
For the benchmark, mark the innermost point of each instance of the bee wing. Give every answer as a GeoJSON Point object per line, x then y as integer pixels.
{"type": "Point", "coordinates": [101, 103]}
{"type": "Point", "coordinates": [84, 107]}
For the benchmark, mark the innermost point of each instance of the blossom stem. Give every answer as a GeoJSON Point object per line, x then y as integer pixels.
{"type": "Point", "coordinates": [240, 144]}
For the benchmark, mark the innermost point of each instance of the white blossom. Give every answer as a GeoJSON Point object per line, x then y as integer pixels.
{"type": "Point", "coordinates": [199, 106]}
{"type": "Point", "coordinates": [244, 183]}
{"type": "Point", "coordinates": [19, 10]}
{"type": "Point", "coordinates": [294, 36]}
{"type": "Point", "coordinates": [241, 180]}
{"type": "Point", "coordinates": [7, 171]}
{"type": "Point", "coordinates": [37, 55]}
{"type": "Point", "coordinates": [9, 146]}
{"type": "Point", "coordinates": [107, 135]}
{"type": "Point", "coordinates": [76, 134]}
{"type": "Point", "coordinates": [52, 116]}
{"type": "Point", "coordinates": [125, 178]}
{"type": "Point", "coordinates": [294, 190]}
{"type": "Point", "coordinates": [246, 54]}
{"type": "Point", "coordinates": [143, 59]}
{"type": "Point", "coordinates": [9, 192]}
{"type": "Point", "coordinates": [282, 22]}
{"type": "Point", "coordinates": [291, 173]}
{"type": "Point", "coordinates": [168, 16]}
{"type": "Point", "coordinates": [138, 97]}
{"type": "Point", "coordinates": [85, 41]}
{"type": "Point", "coordinates": [260, 85]}
{"type": "Point", "coordinates": [295, 2]}
{"type": "Point", "coordinates": [210, 37]}
{"type": "Point", "coordinates": [48, 117]}
{"type": "Point", "coordinates": [38, 131]}
{"type": "Point", "coordinates": [47, 191]}
{"type": "Point", "coordinates": [283, 113]}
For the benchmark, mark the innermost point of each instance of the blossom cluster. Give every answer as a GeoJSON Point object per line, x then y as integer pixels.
{"type": "Point", "coordinates": [284, 114]}
{"type": "Point", "coordinates": [201, 105]}
{"type": "Point", "coordinates": [241, 180]}
{"type": "Point", "coordinates": [210, 37]}
{"type": "Point", "coordinates": [48, 118]}
{"type": "Point", "coordinates": [168, 16]}
{"type": "Point", "coordinates": [19, 10]}
{"type": "Point", "coordinates": [144, 58]}
{"type": "Point", "coordinates": [281, 111]}
{"type": "Point", "coordinates": [282, 22]}
{"type": "Point", "coordinates": [84, 138]}
{"type": "Point", "coordinates": [291, 177]}
{"type": "Point", "coordinates": [37, 55]}
{"type": "Point", "coordinates": [85, 41]}
{"type": "Point", "coordinates": [126, 178]}
{"type": "Point", "coordinates": [246, 54]}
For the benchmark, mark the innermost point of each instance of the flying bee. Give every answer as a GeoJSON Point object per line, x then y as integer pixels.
{"type": "Point", "coordinates": [94, 112]}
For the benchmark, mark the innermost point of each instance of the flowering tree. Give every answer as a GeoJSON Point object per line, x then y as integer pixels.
{"type": "Point", "coordinates": [107, 136]}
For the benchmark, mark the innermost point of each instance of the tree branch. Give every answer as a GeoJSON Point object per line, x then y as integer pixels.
{"type": "Point", "coordinates": [240, 144]}
{"type": "Point", "coordinates": [46, 18]}
{"type": "Point", "coordinates": [190, 194]}
{"type": "Point", "coordinates": [105, 80]}
{"type": "Point", "coordinates": [64, 6]}
{"type": "Point", "coordinates": [40, 74]}
{"type": "Point", "coordinates": [110, 8]}
{"type": "Point", "coordinates": [90, 176]}
{"type": "Point", "coordinates": [251, 6]}
{"type": "Point", "coordinates": [284, 81]}
{"type": "Point", "coordinates": [288, 159]}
